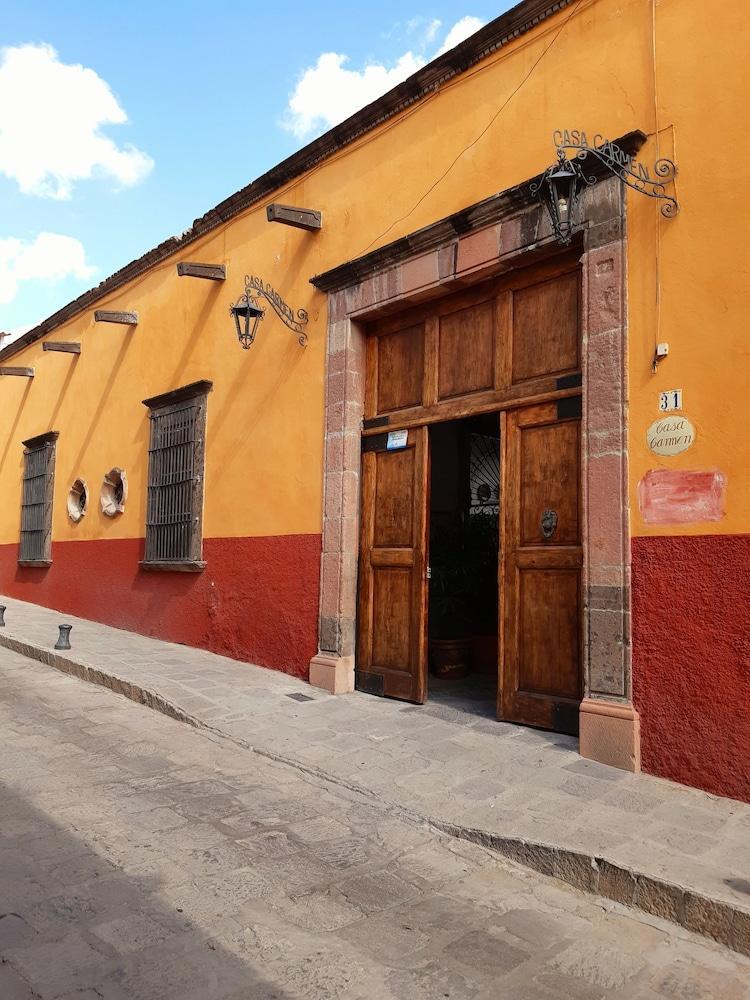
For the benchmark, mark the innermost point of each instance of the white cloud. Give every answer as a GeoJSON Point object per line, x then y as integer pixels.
{"type": "Point", "coordinates": [51, 114]}
{"type": "Point", "coordinates": [8, 336]}
{"type": "Point", "coordinates": [329, 91]}
{"type": "Point", "coordinates": [49, 257]}
{"type": "Point", "coordinates": [460, 30]}
{"type": "Point", "coordinates": [427, 30]}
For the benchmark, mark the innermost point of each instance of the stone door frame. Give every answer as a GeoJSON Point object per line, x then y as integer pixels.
{"type": "Point", "coordinates": [507, 231]}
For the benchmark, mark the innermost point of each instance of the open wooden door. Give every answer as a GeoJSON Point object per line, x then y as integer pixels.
{"type": "Point", "coordinates": [541, 675]}
{"type": "Point", "coordinates": [392, 613]}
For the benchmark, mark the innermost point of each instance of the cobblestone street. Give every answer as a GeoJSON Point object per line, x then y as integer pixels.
{"type": "Point", "coordinates": [669, 850]}
{"type": "Point", "coordinates": [145, 860]}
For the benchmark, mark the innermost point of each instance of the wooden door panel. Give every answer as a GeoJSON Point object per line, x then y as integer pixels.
{"type": "Point", "coordinates": [466, 352]}
{"type": "Point", "coordinates": [392, 557]}
{"type": "Point", "coordinates": [549, 643]}
{"type": "Point", "coordinates": [400, 366]}
{"type": "Point", "coordinates": [394, 506]}
{"type": "Point", "coordinates": [392, 607]}
{"type": "Point", "coordinates": [391, 612]}
{"type": "Point", "coordinates": [541, 677]}
{"type": "Point", "coordinates": [485, 347]}
{"type": "Point", "coordinates": [545, 556]}
{"type": "Point", "coordinates": [549, 481]}
{"type": "Point", "coordinates": [546, 336]}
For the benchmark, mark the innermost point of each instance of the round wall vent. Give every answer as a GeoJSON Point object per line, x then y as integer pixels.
{"type": "Point", "coordinates": [78, 499]}
{"type": "Point", "coordinates": [114, 492]}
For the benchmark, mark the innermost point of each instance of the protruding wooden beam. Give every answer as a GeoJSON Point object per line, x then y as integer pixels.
{"type": "Point", "coordinates": [110, 316]}
{"type": "Point", "coordinates": [23, 372]}
{"type": "Point", "coordinates": [62, 346]}
{"type": "Point", "coordinates": [300, 218]}
{"type": "Point", "coordinates": [214, 272]}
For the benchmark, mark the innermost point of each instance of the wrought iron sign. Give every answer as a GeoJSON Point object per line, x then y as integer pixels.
{"type": "Point", "coordinates": [248, 313]}
{"type": "Point", "coordinates": [255, 286]}
{"type": "Point", "coordinates": [559, 185]}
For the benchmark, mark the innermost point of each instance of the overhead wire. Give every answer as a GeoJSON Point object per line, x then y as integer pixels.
{"type": "Point", "coordinates": [657, 273]}
{"type": "Point", "coordinates": [261, 202]}
{"type": "Point", "coordinates": [396, 120]}
{"type": "Point", "coordinates": [484, 131]}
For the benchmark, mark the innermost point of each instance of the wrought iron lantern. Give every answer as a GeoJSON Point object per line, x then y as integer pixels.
{"type": "Point", "coordinates": [559, 186]}
{"type": "Point", "coordinates": [558, 189]}
{"type": "Point", "coordinates": [247, 314]}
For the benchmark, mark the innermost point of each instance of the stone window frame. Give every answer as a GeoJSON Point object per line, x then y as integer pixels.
{"type": "Point", "coordinates": [41, 444]}
{"type": "Point", "coordinates": [506, 231]}
{"type": "Point", "coordinates": [163, 404]}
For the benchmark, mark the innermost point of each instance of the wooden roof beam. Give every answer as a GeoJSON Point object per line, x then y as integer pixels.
{"type": "Point", "coordinates": [22, 372]}
{"type": "Point", "coordinates": [64, 347]}
{"type": "Point", "coordinates": [115, 316]}
{"type": "Point", "coordinates": [213, 272]}
{"type": "Point", "coordinates": [300, 218]}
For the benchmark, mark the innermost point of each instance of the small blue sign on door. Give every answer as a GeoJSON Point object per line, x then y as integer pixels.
{"type": "Point", "coordinates": [397, 439]}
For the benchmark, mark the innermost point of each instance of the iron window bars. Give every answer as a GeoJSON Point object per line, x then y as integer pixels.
{"type": "Point", "coordinates": [36, 500]}
{"type": "Point", "coordinates": [174, 504]}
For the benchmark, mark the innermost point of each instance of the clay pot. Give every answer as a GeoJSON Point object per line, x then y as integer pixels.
{"type": "Point", "coordinates": [450, 659]}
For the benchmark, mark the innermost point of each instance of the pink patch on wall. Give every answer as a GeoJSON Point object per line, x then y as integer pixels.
{"type": "Point", "coordinates": [674, 496]}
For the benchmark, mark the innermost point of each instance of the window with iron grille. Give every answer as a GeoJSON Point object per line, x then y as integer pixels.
{"type": "Point", "coordinates": [174, 503]}
{"type": "Point", "coordinates": [36, 500]}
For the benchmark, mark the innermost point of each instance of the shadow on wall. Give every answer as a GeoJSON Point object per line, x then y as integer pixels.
{"type": "Point", "coordinates": [104, 400]}
{"type": "Point", "coordinates": [256, 406]}
{"type": "Point", "coordinates": [72, 366]}
{"type": "Point", "coordinates": [14, 428]}
{"type": "Point", "coordinates": [194, 327]}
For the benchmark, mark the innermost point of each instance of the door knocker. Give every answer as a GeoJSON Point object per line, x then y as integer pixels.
{"type": "Point", "coordinates": [549, 523]}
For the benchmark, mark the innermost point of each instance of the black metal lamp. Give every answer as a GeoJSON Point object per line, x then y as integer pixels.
{"type": "Point", "coordinates": [559, 185]}
{"type": "Point", "coordinates": [560, 194]}
{"type": "Point", "coordinates": [247, 314]}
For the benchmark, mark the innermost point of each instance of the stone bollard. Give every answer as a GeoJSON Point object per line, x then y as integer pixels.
{"type": "Point", "coordinates": [2, 615]}
{"type": "Point", "coordinates": [64, 641]}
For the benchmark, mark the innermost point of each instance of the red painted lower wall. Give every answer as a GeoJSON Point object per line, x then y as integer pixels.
{"type": "Point", "coordinates": [691, 659]}
{"type": "Point", "coordinates": [257, 599]}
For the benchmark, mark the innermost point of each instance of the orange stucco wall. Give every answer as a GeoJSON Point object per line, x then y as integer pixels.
{"type": "Point", "coordinates": [598, 66]}
{"type": "Point", "coordinates": [266, 413]}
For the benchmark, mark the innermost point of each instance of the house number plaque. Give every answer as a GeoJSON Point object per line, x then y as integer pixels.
{"type": "Point", "coordinates": [670, 400]}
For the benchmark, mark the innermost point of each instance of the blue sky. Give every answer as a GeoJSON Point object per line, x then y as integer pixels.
{"type": "Point", "coordinates": [123, 122]}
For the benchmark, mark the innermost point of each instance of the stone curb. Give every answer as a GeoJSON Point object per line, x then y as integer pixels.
{"type": "Point", "coordinates": [723, 922]}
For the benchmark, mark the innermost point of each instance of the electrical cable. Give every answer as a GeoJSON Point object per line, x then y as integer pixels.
{"type": "Point", "coordinates": [481, 135]}
{"type": "Point", "coordinates": [260, 204]}
{"type": "Point", "coordinates": [657, 276]}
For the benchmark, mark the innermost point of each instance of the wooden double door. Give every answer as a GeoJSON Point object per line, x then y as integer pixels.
{"type": "Point", "coordinates": [540, 552]}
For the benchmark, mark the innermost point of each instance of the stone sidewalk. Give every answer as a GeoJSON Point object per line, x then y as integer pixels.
{"type": "Point", "coordinates": [142, 859]}
{"type": "Point", "coordinates": [672, 851]}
